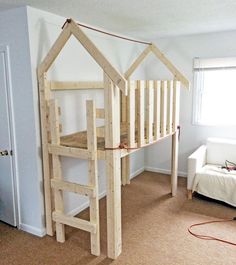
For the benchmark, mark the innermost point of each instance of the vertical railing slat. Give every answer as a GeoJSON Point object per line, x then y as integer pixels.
{"type": "Point", "coordinates": [140, 112]}
{"type": "Point", "coordinates": [131, 114]}
{"type": "Point", "coordinates": [169, 106]}
{"type": "Point", "coordinates": [149, 111]}
{"type": "Point", "coordinates": [157, 109]}
{"type": "Point", "coordinates": [163, 107]}
{"type": "Point", "coordinates": [176, 91]}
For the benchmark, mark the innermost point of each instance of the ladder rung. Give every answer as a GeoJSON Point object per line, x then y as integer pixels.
{"type": "Point", "coordinates": [73, 187]}
{"type": "Point", "coordinates": [74, 222]}
{"type": "Point", "coordinates": [70, 151]}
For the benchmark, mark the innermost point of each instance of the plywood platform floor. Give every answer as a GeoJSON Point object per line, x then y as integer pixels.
{"type": "Point", "coordinates": [154, 232]}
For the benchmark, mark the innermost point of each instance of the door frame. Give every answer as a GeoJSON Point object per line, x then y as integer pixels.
{"type": "Point", "coordinates": [6, 50]}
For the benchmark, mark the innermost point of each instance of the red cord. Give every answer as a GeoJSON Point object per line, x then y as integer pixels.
{"type": "Point", "coordinates": [205, 237]}
{"type": "Point", "coordinates": [108, 33]}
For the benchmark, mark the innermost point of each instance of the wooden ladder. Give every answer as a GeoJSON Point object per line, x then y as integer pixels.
{"type": "Point", "coordinates": [59, 185]}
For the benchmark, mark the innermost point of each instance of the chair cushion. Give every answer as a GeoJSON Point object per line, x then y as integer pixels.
{"type": "Point", "coordinates": [219, 150]}
{"type": "Point", "coordinates": [216, 183]}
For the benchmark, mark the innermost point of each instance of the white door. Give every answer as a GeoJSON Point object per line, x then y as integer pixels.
{"type": "Point", "coordinates": [7, 185]}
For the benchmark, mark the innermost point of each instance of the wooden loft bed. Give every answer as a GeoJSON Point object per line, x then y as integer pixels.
{"type": "Point", "coordinates": [136, 114]}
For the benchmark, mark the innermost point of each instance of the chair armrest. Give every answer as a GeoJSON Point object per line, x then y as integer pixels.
{"type": "Point", "coordinates": [195, 162]}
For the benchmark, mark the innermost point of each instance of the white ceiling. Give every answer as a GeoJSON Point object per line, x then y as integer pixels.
{"type": "Point", "coordinates": [147, 19]}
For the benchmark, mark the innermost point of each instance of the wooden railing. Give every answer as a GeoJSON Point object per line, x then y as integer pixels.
{"type": "Point", "coordinates": [152, 110]}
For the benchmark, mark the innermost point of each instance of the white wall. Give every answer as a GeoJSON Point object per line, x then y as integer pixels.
{"type": "Point", "coordinates": [75, 64]}
{"type": "Point", "coordinates": [14, 32]}
{"type": "Point", "coordinates": [181, 51]}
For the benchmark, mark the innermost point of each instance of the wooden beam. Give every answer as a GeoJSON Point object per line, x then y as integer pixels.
{"type": "Point", "coordinates": [157, 109]}
{"type": "Point", "coordinates": [110, 70]}
{"type": "Point", "coordinates": [100, 113]}
{"type": "Point", "coordinates": [137, 62]}
{"type": "Point", "coordinates": [73, 85]}
{"type": "Point", "coordinates": [131, 114]}
{"type": "Point", "coordinates": [149, 111]}
{"type": "Point", "coordinates": [56, 167]}
{"type": "Point", "coordinates": [93, 175]}
{"type": "Point", "coordinates": [140, 113]}
{"type": "Point", "coordinates": [73, 187]}
{"type": "Point", "coordinates": [177, 74]}
{"type": "Point", "coordinates": [113, 167]}
{"type": "Point", "coordinates": [169, 106]}
{"type": "Point", "coordinates": [176, 95]}
{"type": "Point", "coordinates": [74, 222]}
{"type": "Point", "coordinates": [174, 163]}
{"type": "Point", "coordinates": [70, 151]}
{"type": "Point", "coordinates": [55, 50]}
{"type": "Point", "coordinates": [163, 107]}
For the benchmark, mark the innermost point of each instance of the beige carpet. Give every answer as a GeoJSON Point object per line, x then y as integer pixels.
{"type": "Point", "coordinates": [154, 232]}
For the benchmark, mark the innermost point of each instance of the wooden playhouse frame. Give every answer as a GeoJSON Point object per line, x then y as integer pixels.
{"type": "Point", "coordinates": [136, 114]}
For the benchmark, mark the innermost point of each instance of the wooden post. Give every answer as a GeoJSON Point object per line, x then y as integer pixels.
{"type": "Point", "coordinates": [93, 176]}
{"type": "Point", "coordinates": [169, 106]}
{"type": "Point", "coordinates": [149, 111]}
{"type": "Point", "coordinates": [163, 108]}
{"type": "Point", "coordinates": [157, 109]}
{"type": "Point", "coordinates": [131, 114]}
{"type": "Point", "coordinates": [56, 165]}
{"type": "Point", "coordinates": [44, 94]}
{"type": "Point", "coordinates": [140, 113]}
{"type": "Point", "coordinates": [175, 142]}
{"type": "Point", "coordinates": [112, 133]}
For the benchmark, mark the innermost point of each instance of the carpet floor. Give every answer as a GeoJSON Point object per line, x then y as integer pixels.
{"type": "Point", "coordinates": [154, 228]}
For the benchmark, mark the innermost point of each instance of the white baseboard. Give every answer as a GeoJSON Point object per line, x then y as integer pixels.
{"type": "Point", "coordinates": [33, 230]}
{"type": "Point", "coordinates": [101, 195]}
{"type": "Point", "coordinates": [165, 171]}
{"type": "Point", "coordinates": [136, 173]}
{"type": "Point", "coordinates": [84, 205]}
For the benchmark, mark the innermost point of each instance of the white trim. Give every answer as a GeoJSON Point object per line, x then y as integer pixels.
{"type": "Point", "coordinates": [101, 195]}
{"type": "Point", "coordinates": [136, 173]}
{"type": "Point", "coordinates": [165, 171]}
{"type": "Point", "coordinates": [33, 230]}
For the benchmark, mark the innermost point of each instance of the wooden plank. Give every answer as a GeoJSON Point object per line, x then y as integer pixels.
{"type": "Point", "coordinates": [69, 151]}
{"type": "Point", "coordinates": [73, 85]}
{"type": "Point", "coordinates": [74, 222]}
{"type": "Point", "coordinates": [108, 68]}
{"type": "Point", "coordinates": [140, 113]}
{"type": "Point", "coordinates": [176, 95]}
{"type": "Point", "coordinates": [157, 109]}
{"type": "Point", "coordinates": [100, 113]}
{"type": "Point", "coordinates": [169, 106]}
{"type": "Point", "coordinates": [131, 113]}
{"type": "Point", "coordinates": [113, 168]}
{"type": "Point", "coordinates": [56, 167]}
{"type": "Point", "coordinates": [149, 111]}
{"type": "Point", "coordinates": [125, 170]}
{"type": "Point", "coordinates": [137, 62]}
{"type": "Point", "coordinates": [163, 107]}
{"type": "Point", "coordinates": [93, 175]}
{"type": "Point", "coordinates": [44, 96]}
{"type": "Point", "coordinates": [55, 50]}
{"type": "Point", "coordinates": [177, 74]}
{"type": "Point", "coordinates": [100, 132]}
{"type": "Point", "coordinates": [73, 187]}
{"type": "Point", "coordinates": [174, 163]}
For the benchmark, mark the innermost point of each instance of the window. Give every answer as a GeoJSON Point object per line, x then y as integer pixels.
{"type": "Point", "coordinates": [215, 91]}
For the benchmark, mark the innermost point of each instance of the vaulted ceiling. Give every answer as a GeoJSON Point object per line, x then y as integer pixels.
{"type": "Point", "coordinates": [148, 19]}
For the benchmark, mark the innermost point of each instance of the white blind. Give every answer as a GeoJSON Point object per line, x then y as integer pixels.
{"type": "Point", "coordinates": [213, 63]}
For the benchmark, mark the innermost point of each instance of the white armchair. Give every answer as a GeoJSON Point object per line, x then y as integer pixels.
{"type": "Point", "coordinates": [205, 174]}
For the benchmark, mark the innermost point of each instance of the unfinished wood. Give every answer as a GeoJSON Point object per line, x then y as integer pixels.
{"type": "Point", "coordinates": [44, 96]}
{"type": "Point", "coordinates": [113, 168]}
{"type": "Point", "coordinates": [137, 62]}
{"type": "Point", "coordinates": [73, 85]}
{"type": "Point", "coordinates": [69, 151]}
{"type": "Point", "coordinates": [131, 114]}
{"type": "Point", "coordinates": [163, 107]}
{"type": "Point", "coordinates": [189, 194]}
{"type": "Point", "coordinates": [157, 109]}
{"type": "Point", "coordinates": [73, 187]}
{"type": "Point", "coordinates": [55, 50]}
{"type": "Point", "coordinates": [110, 70]}
{"type": "Point", "coordinates": [177, 74]}
{"type": "Point", "coordinates": [174, 163]}
{"type": "Point", "coordinates": [140, 112]}
{"type": "Point", "coordinates": [100, 132]}
{"type": "Point", "coordinates": [74, 222]}
{"type": "Point", "coordinates": [169, 106]}
{"type": "Point", "coordinates": [149, 111]}
{"type": "Point", "coordinates": [100, 113]}
{"type": "Point", "coordinates": [125, 170]}
{"type": "Point", "coordinates": [176, 94]}
{"type": "Point", "coordinates": [93, 175]}
{"type": "Point", "coordinates": [56, 167]}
